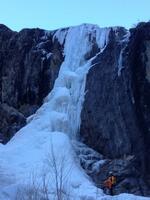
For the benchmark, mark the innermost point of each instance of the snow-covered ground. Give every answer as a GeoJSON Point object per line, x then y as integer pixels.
{"type": "Point", "coordinates": [48, 135]}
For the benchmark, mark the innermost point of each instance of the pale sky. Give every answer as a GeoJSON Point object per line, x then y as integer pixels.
{"type": "Point", "coordinates": [53, 14]}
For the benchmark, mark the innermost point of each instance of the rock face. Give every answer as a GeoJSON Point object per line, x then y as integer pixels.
{"type": "Point", "coordinates": [115, 118]}
{"type": "Point", "coordinates": [11, 121]}
{"type": "Point", "coordinates": [29, 64]}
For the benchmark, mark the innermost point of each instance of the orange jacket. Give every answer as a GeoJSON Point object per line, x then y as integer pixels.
{"type": "Point", "coordinates": [110, 182]}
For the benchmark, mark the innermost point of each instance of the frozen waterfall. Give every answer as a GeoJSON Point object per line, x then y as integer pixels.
{"type": "Point", "coordinates": [57, 121]}
{"type": "Point", "coordinates": [65, 101]}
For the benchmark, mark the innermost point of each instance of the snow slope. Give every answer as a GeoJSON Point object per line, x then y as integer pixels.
{"type": "Point", "coordinates": [50, 131]}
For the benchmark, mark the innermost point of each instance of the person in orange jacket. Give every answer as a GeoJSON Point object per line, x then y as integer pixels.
{"type": "Point", "coordinates": [110, 183]}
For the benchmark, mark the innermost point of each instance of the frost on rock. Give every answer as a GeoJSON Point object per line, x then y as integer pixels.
{"type": "Point", "coordinates": [123, 44]}
{"type": "Point", "coordinates": [120, 63]}
{"type": "Point", "coordinates": [60, 35]}
{"type": "Point", "coordinates": [89, 159]}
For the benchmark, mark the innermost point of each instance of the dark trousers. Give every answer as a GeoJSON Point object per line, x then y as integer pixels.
{"type": "Point", "coordinates": [109, 191]}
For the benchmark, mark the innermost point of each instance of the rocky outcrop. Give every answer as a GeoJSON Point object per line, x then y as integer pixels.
{"type": "Point", "coordinates": [115, 116]}
{"type": "Point", "coordinates": [11, 121]}
{"type": "Point", "coordinates": [129, 179]}
{"type": "Point", "coordinates": [29, 64]}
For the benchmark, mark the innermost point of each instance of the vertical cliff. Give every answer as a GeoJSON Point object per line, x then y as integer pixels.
{"type": "Point", "coordinates": [115, 115]}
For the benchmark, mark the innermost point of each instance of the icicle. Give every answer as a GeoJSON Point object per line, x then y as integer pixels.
{"type": "Point", "coordinates": [120, 63]}
{"type": "Point", "coordinates": [123, 43]}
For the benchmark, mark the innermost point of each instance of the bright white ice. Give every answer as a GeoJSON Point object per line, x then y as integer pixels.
{"type": "Point", "coordinates": [56, 123]}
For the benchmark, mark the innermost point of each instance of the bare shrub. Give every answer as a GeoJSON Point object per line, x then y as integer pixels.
{"type": "Point", "coordinates": [59, 172]}
{"type": "Point", "coordinates": [53, 181]}
{"type": "Point", "coordinates": [32, 191]}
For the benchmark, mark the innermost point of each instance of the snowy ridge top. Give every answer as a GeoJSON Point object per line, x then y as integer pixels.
{"type": "Point", "coordinates": [93, 31]}
{"type": "Point", "coordinates": [92, 26]}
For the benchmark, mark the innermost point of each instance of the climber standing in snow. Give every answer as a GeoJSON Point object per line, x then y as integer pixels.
{"type": "Point", "coordinates": [110, 183]}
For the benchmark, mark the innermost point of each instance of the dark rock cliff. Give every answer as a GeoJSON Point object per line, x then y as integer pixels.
{"type": "Point", "coordinates": [29, 65]}
{"type": "Point", "coordinates": [115, 118]}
